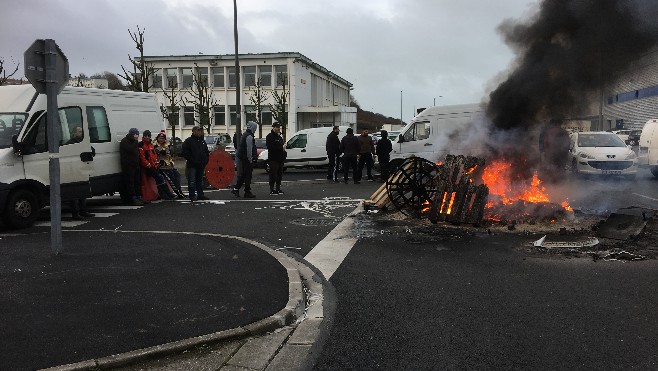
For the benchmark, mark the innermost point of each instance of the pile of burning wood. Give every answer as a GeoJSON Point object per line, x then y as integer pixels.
{"type": "Point", "coordinates": [462, 190]}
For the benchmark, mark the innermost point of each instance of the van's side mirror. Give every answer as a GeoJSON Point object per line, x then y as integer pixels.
{"type": "Point", "coordinates": [400, 138]}
{"type": "Point", "coordinates": [18, 146]}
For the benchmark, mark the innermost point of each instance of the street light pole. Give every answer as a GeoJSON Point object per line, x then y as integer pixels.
{"type": "Point", "coordinates": [238, 119]}
{"type": "Point", "coordinates": [400, 107]}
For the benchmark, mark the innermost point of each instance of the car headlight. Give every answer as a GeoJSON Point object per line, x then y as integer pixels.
{"type": "Point", "coordinates": [586, 155]}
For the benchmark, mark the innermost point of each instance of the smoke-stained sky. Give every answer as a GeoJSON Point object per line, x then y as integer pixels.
{"type": "Point", "coordinates": [430, 49]}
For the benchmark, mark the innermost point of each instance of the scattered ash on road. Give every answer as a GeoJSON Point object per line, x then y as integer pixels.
{"type": "Point", "coordinates": [562, 239]}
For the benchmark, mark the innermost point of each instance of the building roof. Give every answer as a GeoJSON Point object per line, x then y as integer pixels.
{"type": "Point", "coordinates": [210, 57]}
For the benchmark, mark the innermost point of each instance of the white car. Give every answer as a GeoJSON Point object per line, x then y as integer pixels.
{"type": "Point", "coordinates": [601, 153]}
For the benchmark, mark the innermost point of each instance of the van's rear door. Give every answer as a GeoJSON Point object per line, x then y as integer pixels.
{"type": "Point", "coordinates": [75, 154]}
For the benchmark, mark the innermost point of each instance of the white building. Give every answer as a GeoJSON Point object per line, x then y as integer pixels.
{"type": "Point", "coordinates": [316, 96]}
{"type": "Point", "coordinates": [87, 83]}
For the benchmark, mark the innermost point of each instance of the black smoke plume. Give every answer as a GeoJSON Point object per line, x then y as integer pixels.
{"type": "Point", "coordinates": [566, 53]}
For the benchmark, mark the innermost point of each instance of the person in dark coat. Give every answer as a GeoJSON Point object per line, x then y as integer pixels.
{"type": "Point", "coordinates": [333, 154]}
{"type": "Point", "coordinates": [247, 155]}
{"type": "Point", "coordinates": [383, 150]}
{"type": "Point", "coordinates": [276, 156]}
{"type": "Point", "coordinates": [195, 151]}
{"type": "Point", "coordinates": [129, 154]}
{"type": "Point", "coordinates": [350, 148]}
{"type": "Point", "coordinates": [365, 155]}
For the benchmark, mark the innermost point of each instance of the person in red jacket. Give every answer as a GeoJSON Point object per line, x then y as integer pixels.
{"type": "Point", "coordinates": [148, 161]}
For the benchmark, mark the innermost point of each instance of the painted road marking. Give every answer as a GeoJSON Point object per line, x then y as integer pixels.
{"type": "Point", "coordinates": [647, 197]}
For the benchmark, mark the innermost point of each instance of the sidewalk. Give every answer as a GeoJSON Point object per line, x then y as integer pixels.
{"type": "Point", "coordinates": [116, 292]}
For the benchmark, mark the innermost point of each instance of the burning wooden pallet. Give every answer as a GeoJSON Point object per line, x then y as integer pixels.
{"type": "Point", "coordinates": [458, 199]}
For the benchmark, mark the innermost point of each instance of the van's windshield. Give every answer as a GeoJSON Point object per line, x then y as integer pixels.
{"type": "Point", "coordinates": [10, 123]}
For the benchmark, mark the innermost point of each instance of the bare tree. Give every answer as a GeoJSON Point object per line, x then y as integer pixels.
{"type": "Point", "coordinates": [279, 108]}
{"type": "Point", "coordinates": [140, 79]}
{"type": "Point", "coordinates": [3, 72]}
{"type": "Point", "coordinates": [202, 99]}
{"type": "Point", "coordinates": [171, 111]}
{"type": "Point", "coordinates": [257, 97]}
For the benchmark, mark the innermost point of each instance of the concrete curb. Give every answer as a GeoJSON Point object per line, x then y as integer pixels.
{"type": "Point", "coordinates": [293, 310]}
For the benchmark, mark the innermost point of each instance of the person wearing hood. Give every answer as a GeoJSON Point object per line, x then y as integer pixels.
{"type": "Point", "coordinates": [129, 154]}
{"type": "Point", "coordinates": [247, 156]}
{"type": "Point", "coordinates": [350, 148]}
{"type": "Point", "coordinates": [383, 149]}
{"type": "Point", "coordinates": [195, 151]}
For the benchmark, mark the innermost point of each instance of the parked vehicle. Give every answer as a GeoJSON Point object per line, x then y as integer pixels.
{"type": "Point", "coordinates": [214, 140]}
{"type": "Point", "coordinates": [87, 168]}
{"type": "Point", "coordinates": [435, 132]}
{"type": "Point", "coordinates": [177, 145]}
{"type": "Point", "coordinates": [306, 148]}
{"type": "Point", "coordinates": [601, 153]}
{"type": "Point", "coordinates": [261, 145]}
{"type": "Point", "coordinates": [648, 152]}
{"type": "Point", "coordinates": [622, 134]}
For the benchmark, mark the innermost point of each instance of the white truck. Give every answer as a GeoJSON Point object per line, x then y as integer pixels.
{"type": "Point", "coordinates": [88, 168]}
{"type": "Point", "coordinates": [437, 131]}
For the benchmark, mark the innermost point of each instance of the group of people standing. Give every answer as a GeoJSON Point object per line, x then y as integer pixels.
{"type": "Point", "coordinates": [357, 153]}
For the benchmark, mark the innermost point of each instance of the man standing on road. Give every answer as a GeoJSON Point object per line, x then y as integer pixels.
{"type": "Point", "coordinates": [350, 148]}
{"type": "Point", "coordinates": [246, 153]}
{"type": "Point", "coordinates": [195, 151]}
{"type": "Point", "coordinates": [365, 154]}
{"type": "Point", "coordinates": [333, 153]}
{"type": "Point", "coordinates": [129, 153]}
{"type": "Point", "coordinates": [276, 156]}
{"type": "Point", "coordinates": [384, 148]}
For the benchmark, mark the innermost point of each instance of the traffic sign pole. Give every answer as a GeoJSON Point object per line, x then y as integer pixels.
{"type": "Point", "coordinates": [52, 89]}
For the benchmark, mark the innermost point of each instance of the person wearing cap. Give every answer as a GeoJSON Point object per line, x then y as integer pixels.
{"type": "Point", "coordinates": [247, 155]}
{"type": "Point", "coordinates": [195, 151]}
{"type": "Point", "coordinates": [166, 161]}
{"type": "Point", "coordinates": [365, 155]}
{"type": "Point", "coordinates": [276, 156]}
{"type": "Point", "coordinates": [350, 148]}
{"type": "Point", "coordinates": [129, 154]}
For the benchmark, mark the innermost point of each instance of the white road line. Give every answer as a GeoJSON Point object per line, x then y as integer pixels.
{"type": "Point", "coordinates": [114, 207]}
{"type": "Point", "coordinates": [329, 253]}
{"type": "Point", "coordinates": [65, 223]}
{"type": "Point", "coordinates": [647, 197]}
{"type": "Point", "coordinates": [104, 215]}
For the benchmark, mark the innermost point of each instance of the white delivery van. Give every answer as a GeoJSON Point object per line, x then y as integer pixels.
{"type": "Point", "coordinates": [437, 131]}
{"type": "Point", "coordinates": [306, 148]}
{"type": "Point", "coordinates": [87, 168]}
{"type": "Point", "coordinates": [648, 151]}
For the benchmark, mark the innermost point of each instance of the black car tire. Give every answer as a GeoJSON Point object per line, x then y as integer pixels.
{"type": "Point", "coordinates": [22, 209]}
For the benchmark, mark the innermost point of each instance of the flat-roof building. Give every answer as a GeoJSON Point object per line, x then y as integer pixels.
{"type": "Point", "coordinates": [315, 96]}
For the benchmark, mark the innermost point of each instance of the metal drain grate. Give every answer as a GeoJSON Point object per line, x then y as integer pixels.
{"type": "Point", "coordinates": [316, 221]}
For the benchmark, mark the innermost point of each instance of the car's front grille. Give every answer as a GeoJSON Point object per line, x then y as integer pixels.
{"type": "Point", "coordinates": [610, 165]}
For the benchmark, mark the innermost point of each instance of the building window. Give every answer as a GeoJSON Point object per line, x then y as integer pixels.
{"type": "Point", "coordinates": [250, 113]}
{"type": "Point", "coordinates": [220, 115]}
{"type": "Point", "coordinates": [281, 73]}
{"type": "Point", "coordinates": [172, 78]}
{"type": "Point", "coordinates": [203, 76]}
{"type": "Point", "coordinates": [266, 119]}
{"type": "Point", "coordinates": [188, 115]}
{"type": "Point", "coordinates": [187, 78]}
{"type": "Point", "coordinates": [249, 76]}
{"type": "Point", "coordinates": [231, 77]}
{"type": "Point", "coordinates": [218, 77]}
{"type": "Point", "coordinates": [234, 118]}
{"type": "Point", "coordinates": [265, 76]}
{"type": "Point", "coordinates": [157, 81]}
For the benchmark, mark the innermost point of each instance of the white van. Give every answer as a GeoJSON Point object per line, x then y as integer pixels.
{"type": "Point", "coordinates": [648, 151]}
{"type": "Point", "coordinates": [306, 148]}
{"type": "Point", "coordinates": [87, 168]}
{"type": "Point", "coordinates": [437, 131]}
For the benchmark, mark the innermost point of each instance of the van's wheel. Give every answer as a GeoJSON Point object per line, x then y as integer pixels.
{"type": "Point", "coordinates": [22, 209]}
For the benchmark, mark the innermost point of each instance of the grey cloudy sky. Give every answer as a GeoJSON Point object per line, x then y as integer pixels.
{"type": "Point", "coordinates": [448, 50]}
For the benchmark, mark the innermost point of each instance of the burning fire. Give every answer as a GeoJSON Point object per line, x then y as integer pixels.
{"type": "Point", "coordinates": [509, 191]}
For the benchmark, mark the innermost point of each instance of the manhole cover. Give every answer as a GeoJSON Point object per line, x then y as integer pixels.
{"type": "Point", "coordinates": [316, 221]}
